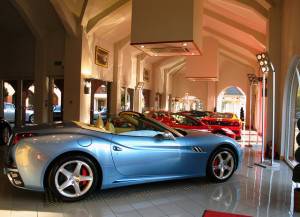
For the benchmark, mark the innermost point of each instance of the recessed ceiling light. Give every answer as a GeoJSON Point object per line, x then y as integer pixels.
{"type": "Point", "coordinates": [142, 46]}
{"type": "Point", "coordinates": [184, 44]}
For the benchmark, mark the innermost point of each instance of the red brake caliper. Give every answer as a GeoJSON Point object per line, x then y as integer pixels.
{"type": "Point", "coordinates": [216, 163]}
{"type": "Point", "coordinates": [84, 172]}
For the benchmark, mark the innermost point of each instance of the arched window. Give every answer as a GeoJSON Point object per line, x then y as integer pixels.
{"type": "Point", "coordinates": [232, 99]}
{"type": "Point", "coordinates": [291, 112]}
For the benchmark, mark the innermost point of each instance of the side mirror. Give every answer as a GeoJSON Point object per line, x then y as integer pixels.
{"type": "Point", "coordinates": [165, 136]}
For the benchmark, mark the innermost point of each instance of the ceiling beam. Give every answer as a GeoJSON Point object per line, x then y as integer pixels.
{"type": "Point", "coordinates": [253, 5]}
{"type": "Point", "coordinates": [261, 38]}
{"type": "Point", "coordinates": [267, 4]}
{"type": "Point", "coordinates": [93, 21]}
{"type": "Point", "coordinates": [218, 34]}
{"type": "Point", "coordinates": [67, 18]}
{"type": "Point", "coordinates": [237, 56]}
{"type": "Point", "coordinates": [83, 10]}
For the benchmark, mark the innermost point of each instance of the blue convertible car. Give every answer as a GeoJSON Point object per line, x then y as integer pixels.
{"type": "Point", "coordinates": [73, 159]}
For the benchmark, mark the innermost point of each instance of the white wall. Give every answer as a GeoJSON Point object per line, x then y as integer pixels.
{"type": "Point", "coordinates": [233, 73]}
{"type": "Point", "coordinates": [181, 86]}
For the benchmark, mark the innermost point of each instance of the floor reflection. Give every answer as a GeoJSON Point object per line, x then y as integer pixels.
{"type": "Point", "coordinates": [252, 191]}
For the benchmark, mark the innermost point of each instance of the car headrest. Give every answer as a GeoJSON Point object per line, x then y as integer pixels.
{"type": "Point", "coordinates": [110, 127]}
{"type": "Point", "coordinates": [99, 122]}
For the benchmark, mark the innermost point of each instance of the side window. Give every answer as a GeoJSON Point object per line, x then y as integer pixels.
{"type": "Point", "coordinates": [133, 126]}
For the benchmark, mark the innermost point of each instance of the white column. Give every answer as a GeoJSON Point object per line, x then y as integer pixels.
{"type": "Point", "coordinates": [138, 93]}
{"type": "Point", "coordinates": [41, 84]}
{"type": "Point", "coordinates": [117, 70]}
{"type": "Point", "coordinates": [165, 101]}
{"type": "Point", "coordinates": [73, 81]}
{"type": "Point", "coordinates": [211, 95]}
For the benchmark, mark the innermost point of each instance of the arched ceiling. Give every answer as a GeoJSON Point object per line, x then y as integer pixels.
{"type": "Point", "coordinates": [240, 26]}
{"type": "Point", "coordinates": [11, 23]}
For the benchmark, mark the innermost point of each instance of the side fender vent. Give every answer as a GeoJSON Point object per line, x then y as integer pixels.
{"type": "Point", "coordinates": [197, 149]}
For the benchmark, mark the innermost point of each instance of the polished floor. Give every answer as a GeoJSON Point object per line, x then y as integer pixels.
{"type": "Point", "coordinates": [253, 190]}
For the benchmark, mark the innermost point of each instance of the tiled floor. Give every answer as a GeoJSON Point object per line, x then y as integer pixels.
{"type": "Point", "coordinates": [252, 190]}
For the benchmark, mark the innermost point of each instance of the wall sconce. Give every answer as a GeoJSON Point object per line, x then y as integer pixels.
{"type": "Point", "coordinates": [87, 86]}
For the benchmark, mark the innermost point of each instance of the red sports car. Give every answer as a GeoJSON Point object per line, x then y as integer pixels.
{"type": "Point", "coordinates": [228, 120]}
{"type": "Point", "coordinates": [180, 121]}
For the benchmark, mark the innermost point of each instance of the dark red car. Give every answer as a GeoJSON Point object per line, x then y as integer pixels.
{"type": "Point", "coordinates": [180, 121]}
{"type": "Point", "coordinates": [228, 120]}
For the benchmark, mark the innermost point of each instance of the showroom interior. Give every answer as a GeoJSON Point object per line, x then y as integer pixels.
{"type": "Point", "coordinates": [84, 60]}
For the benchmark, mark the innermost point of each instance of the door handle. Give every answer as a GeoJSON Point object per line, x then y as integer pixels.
{"type": "Point", "coordinates": [116, 148]}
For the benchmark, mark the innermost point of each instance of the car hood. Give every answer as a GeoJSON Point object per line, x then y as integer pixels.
{"type": "Point", "coordinates": [199, 133]}
{"type": "Point", "coordinates": [200, 137]}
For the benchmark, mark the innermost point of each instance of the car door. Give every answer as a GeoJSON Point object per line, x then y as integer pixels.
{"type": "Point", "coordinates": [146, 156]}
{"type": "Point", "coordinates": [143, 151]}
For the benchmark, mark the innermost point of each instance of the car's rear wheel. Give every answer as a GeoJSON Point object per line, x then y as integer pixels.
{"type": "Point", "coordinates": [73, 178]}
{"type": "Point", "coordinates": [222, 165]}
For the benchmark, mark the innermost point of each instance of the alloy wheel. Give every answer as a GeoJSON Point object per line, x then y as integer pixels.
{"type": "Point", "coordinates": [74, 179]}
{"type": "Point", "coordinates": [223, 165]}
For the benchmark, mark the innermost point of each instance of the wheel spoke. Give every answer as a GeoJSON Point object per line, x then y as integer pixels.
{"type": "Point", "coordinates": [64, 185]}
{"type": "Point", "coordinates": [220, 157]}
{"type": "Point", "coordinates": [77, 188]}
{"type": "Point", "coordinates": [65, 172]}
{"type": "Point", "coordinates": [85, 178]}
{"type": "Point", "coordinates": [222, 172]}
{"type": "Point", "coordinates": [77, 169]}
{"type": "Point", "coordinates": [229, 158]}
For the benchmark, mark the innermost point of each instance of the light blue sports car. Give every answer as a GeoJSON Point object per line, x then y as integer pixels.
{"type": "Point", "coordinates": [73, 159]}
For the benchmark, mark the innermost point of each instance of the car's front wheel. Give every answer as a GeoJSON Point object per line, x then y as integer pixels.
{"type": "Point", "coordinates": [73, 178]}
{"type": "Point", "coordinates": [221, 165]}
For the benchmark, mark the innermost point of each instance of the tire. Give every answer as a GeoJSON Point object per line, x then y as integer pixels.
{"type": "Point", "coordinates": [5, 131]}
{"type": "Point", "coordinates": [215, 165]}
{"type": "Point", "coordinates": [64, 174]}
{"type": "Point", "coordinates": [31, 119]}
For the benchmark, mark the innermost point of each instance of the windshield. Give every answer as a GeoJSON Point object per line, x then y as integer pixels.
{"type": "Point", "coordinates": [184, 120]}
{"type": "Point", "coordinates": [140, 122]}
{"type": "Point", "coordinates": [222, 115]}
